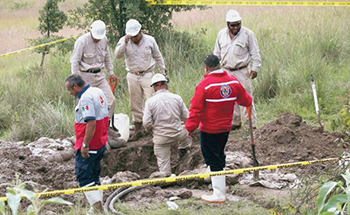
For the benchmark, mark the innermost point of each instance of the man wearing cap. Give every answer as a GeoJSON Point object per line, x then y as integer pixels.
{"type": "Point", "coordinates": [237, 47]}
{"type": "Point", "coordinates": [212, 108]}
{"type": "Point", "coordinates": [91, 125]}
{"type": "Point", "coordinates": [90, 55]}
{"type": "Point", "coordinates": [164, 112]}
{"type": "Point", "coordinates": [141, 54]}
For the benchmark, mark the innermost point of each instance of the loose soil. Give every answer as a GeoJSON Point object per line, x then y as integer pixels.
{"type": "Point", "coordinates": [287, 139]}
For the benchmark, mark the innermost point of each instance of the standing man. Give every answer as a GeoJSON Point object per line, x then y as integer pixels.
{"type": "Point", "coordinates": [91, 126]}
{"type": "Point", "coordinates": [212, 109]}
{"type": "Point", "coordinates": [141, 54]}
{"type": "Point", "coordinates": [90, 55]}
{"type": "Point", "coordinates": [164, 112]}
{"type": "Point", "coordinates": [237, 47]}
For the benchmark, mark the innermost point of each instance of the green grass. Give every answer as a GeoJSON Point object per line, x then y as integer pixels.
{"type": "Point", "coordinates": [294, 43]}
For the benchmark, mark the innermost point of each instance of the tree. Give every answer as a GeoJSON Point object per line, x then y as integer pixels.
{"type": "Point", "coordinates": [51, 21]}
{"type": "Point", "coordinates": [115, 13]}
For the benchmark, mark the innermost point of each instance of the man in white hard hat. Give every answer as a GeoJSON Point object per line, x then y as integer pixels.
{"type": "Point", "coordinates": [90, 55]}
{"type": "Point", "coordinates": [238, 51]}
{"type": "Point", "coordinates": [141, 54]}
{"type": "Point", "coordinates": [164, 112]}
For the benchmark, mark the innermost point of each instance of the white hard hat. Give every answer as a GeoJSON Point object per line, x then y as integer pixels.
{"type": "Point", "coordinates": [98, 29]}
{"type": "Point", "coordinates": [133, 27]}
{"type": "Point", "coordinates": [233, 16]}
{"type": "Point", "coordinates": [158, 78]}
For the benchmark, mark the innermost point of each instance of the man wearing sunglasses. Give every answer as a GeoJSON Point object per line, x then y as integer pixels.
{"type": "Point", "coordinates": [238, 51]}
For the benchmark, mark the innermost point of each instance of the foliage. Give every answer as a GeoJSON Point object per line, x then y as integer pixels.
{"type": "Point", "coordinates": [51, 21]}
{"type": "Point", "coordinates": [334, 197]}
{"type": "Point", "coordinates": [18, 192]}
{"type": "Point", "coordinates": [115, 13]}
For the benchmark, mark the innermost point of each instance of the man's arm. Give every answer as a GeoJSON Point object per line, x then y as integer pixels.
{"type": "Point", "coordinates": [147, 117]}
{"type": "Point", "coordinates": [108, 62]}
{"type": "Point", "coordinates": [184, 111]}
{"type": "Point", "coordinates": [76, 56]}
{"type": "Point", "coordinates": [89, 133]}
{"type": "Point", "coordinates": [157, 55]}
{"type": "Point", "coordinates": [243, 98]}
{"type": "Point", "coordinates": [217, 49]}
{"type": "Point", "coordinates": [254, 52]}
{"type": "Point", "coordinates": [196, 109]}
{"type": "Point", "coordinates": [120, 48]}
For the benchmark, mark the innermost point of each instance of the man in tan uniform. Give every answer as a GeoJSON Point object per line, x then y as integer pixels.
{"type": "Point", "coordinates": [163, 113]}
{"type": "Point", "coordinates": [237, 47]}
{"type": "Point", "coordinates": [141, 54]}
{"type": "Point", "coordinates": [90, 55]}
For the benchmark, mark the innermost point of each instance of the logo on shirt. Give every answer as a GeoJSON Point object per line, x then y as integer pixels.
{"type": "Point", "coordinates": [85, 108]}
{"type": "Point", "coordinates": [225, 91]}
{"type": "Point", "coordinates": [102, 101]}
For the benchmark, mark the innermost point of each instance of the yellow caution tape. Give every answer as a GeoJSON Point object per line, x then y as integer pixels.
{"type": "Point", "coordinates": [248, 3]}
{"type": "Point", "coordinates": [38, 46]}
{"type": "Point", "coordinates": [175, 179]}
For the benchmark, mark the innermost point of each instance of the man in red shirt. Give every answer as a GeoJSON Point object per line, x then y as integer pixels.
{"type": "Point", "coordinates": [91, 125]}
{"type": "Point", "coordinates": [212, 110]}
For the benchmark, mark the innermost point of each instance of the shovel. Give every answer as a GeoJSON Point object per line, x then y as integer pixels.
{"type": "Point", "coordinates": [255, 161]}
{"type": "Point", "coordinates": [314, 93]}
{"type": "Point", "coordinates": [113, 86]}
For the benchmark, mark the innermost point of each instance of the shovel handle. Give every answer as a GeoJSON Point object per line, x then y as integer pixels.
{"type": "Point", "coordinates": [249, 111]}
{"type": "Point", "coordinates": [113, 86]}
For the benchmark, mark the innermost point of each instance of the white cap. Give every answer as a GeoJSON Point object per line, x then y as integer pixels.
{"type": "Point", "coordinates": [233, 16]}
{"type": "Point", "coordinates": [98, 29]}
{"type": "Point", "coordinates": [133, 27]}
{"type": "Point", "coordinates": [158, 78]}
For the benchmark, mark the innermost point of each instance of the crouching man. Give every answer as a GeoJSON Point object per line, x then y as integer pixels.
{"type": "Point", "coordinates": [91, 125]}
{"type": "Point", "coordinates": [163, 113]}
{"type": "Point", "coordinates": [212, 109]}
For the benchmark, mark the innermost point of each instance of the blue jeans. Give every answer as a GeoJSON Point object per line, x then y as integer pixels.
{"type": "Point", "coordinates": [87, 170]}
{"type": "Point", "coordinates": [213, 147]}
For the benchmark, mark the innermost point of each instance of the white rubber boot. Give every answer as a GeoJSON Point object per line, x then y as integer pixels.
{"type": "Point", "coordinates": [219, 190]}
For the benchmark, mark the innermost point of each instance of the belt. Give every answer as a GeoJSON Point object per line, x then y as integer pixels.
{"type": "Point", "coordinates": [93, 71]}
{"type": "Point", "coordinates": [140, 72]}
{"type": "Point", "coordinates": [235, 69]}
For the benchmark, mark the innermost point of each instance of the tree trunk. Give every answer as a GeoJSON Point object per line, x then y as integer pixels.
{"type": "Point", "coordinates": [42, 59]}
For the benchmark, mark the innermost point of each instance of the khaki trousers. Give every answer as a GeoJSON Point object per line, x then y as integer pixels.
{"type": "Point", "coordinates": [243, 75]}
{"type": "Point", "coordinates": [163, 146]}
{"type": "Point", "coordinates": [139, 86]}
{"type": "Point", "coordinates": [99, 80]}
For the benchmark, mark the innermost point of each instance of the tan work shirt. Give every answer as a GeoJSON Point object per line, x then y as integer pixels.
{"type": "Point", "coordinates": [164, 112]}
{"type": "Point", "coordinates": [140, 57]}
{"type": "Point", "coordinates": [90, 55]}
{"type": "Point", "coordinates": [237, 52]}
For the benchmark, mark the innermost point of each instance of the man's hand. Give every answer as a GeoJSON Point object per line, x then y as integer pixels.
{"type": "Point", "coordinates": [253, 74]}
{"type": "Point", "coordinates": [114, 77]}
{"type": "Point", "coordinates": [127, 38]}
{"type": "Point", "coordinates": [85, 152]}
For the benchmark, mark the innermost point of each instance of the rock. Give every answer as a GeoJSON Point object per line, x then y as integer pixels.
{"type": "Point", "coordinates": [184, 194]}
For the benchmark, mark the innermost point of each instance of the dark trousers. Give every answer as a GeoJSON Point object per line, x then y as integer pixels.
{"type": "Point", "coordinates": [87, 170]}
{"type": "Point", "coordinates": [213, 147]}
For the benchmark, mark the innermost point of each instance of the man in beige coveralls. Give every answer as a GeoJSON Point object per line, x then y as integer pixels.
{"type": "Point", "coordinates": [163, 113]}
{"type": "Point", "coordinates": [90, 55]}
{"type": "Point", "coordinates": [236, 47]}
{"type": "Point", "coordinates": [141, 53]}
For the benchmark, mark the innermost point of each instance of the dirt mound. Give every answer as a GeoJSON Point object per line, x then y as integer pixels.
{"type": "Point", "coordinates": [289, 139]}
{"type": "Point", "coordinates": [18, 158]}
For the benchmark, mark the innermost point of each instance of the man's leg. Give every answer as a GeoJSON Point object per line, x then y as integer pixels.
{"type": "Point", "coordinates": [146, 81]}
{"type": "Point", "coordinates": [85, 170]}
{"type": "Point", "coordinates": [243, 76]}
{"type": "Point", "coordinates": [136, 104]}
{"type": "Point", "coordinates": [102, 83]}
{"type": "Point", "coordinates": [163, 153]}
{"type": "Point", "coordinates": [213, 146]}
